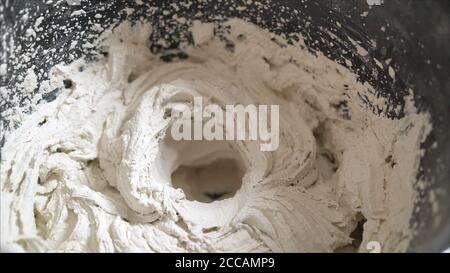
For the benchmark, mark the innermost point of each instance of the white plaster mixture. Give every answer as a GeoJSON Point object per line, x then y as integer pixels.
{"type": "Point", "coordinates": [96, 169]}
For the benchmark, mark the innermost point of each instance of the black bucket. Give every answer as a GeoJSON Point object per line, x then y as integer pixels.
{"type": "Point", "coordinates": [414, 34]}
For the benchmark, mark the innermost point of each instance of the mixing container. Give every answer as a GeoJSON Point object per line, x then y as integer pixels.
{"type": "Point", "coordinates": [413, 36]}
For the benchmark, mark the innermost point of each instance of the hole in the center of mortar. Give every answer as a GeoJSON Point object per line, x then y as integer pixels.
{"type": "Point", "coordinates": [211, 181]}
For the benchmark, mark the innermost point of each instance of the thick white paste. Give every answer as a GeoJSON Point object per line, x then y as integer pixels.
{"type": "Point", "coordinates": [92, 170]}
